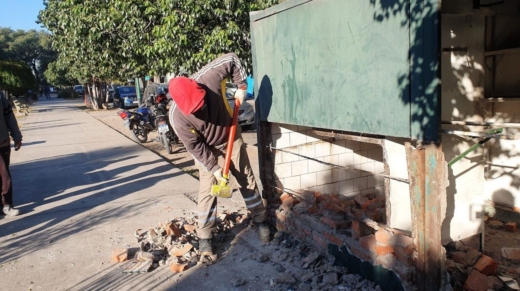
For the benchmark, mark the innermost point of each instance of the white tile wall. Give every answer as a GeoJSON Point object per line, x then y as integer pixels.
{"type": "Point", "coordinates": [299, 168]}
{"type": "Point", "coordinates": [309, 172]}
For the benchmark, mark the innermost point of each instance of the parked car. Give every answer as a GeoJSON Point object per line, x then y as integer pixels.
{"type": "Point", "coordinates": [246, 112]}
{"type": "Point", "coordinates": [125, 93]}
{"type": "Point", "coordinates": [79, 89]}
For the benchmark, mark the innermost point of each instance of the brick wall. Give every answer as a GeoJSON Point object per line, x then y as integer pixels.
{"type": "Point", "coordinates": [321, 220]}
{"type": "Point", "coordinates": [305, 161]}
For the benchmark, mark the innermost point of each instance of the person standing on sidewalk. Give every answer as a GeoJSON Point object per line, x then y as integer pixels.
{"type": "Point", "coordinates": [201, 117]}
{"type": "Point", "coordinates": [47, 92]}
{"type": "Point", "coordinates": [8, 126]}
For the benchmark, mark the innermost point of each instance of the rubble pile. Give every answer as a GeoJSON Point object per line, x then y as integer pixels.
{"type": "Point", "coordinates": [174, 244]}
{"type": "Point", "coordinates": [302, 268]}
{"type": "Point", "coordinates": [495, 269]}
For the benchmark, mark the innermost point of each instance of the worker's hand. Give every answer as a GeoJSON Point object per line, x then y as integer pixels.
{"type": "Point", "coordinates": [17, 144]}
{"type": "Point", "coordinates": [241, 94]}
{"type": "Point", "coordinates": [219, 177]}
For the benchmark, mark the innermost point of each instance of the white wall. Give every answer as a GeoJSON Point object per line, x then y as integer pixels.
{"type": "Point", "coordinates": [312, 170]}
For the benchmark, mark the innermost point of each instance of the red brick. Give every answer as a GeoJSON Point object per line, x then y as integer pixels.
{"type": "Point", "coordinates": [356, 229]}
{"type": "Point", "coordinates": [368, 242]}
{"type": "Point", "coordinates": [361, 253]}
{"type": "Point", "coordinates": [302, 228]}
{"type": "Point", "coordinates": [458, 257]}
{"type": "Point", "coordinates": [510, 226]}
{"type": "Point", "coordinates": [171, 229]}
{"type": "Point", "coordinates": [334, 224]}
{"type": "Point", "coordinates": [383, 250]}
{"type": "Point", "coordinates": [374, 203]}
{"type": "Point", "coordinates": [313, 209]}
{"type": "Point", "coordinates": [284, 197]}
{"type": "Point", "coordinates": [288, 204]}
{"type": "Point", "coordinates": [186, 248]}
{"type": "Point", "coordinates": [375, 215]}
{"type": "Point", "coordinates": [319, 196]}
{"type": "Point", "coordinates": [486, 265]}
{"type": "Point", "coordinates": [476, 282]}
{"type": "Point", "coordinates": [383, 237]}
{"type": "Point", "coordinates": [189, 227]}
{"type": "Point", "coordinates": [358, 213]}
{"type": "Point", "coordinates": [333, 238]}
{"type": "Point", "coordinates": [325, 205]}
{"type": "Point", "coordinates": [177, 268]}
{"type": "Point", "coordinates": [119, 255]}
{"type": "Point", "coordinates": [319, 240]}
{"type": "Point", "coordinates": [360, 229]}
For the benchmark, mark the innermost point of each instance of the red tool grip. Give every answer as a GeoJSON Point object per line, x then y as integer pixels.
{"type": "Point", "coordinates": [231, 139]}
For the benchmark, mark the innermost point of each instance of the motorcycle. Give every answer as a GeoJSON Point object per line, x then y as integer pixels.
{"type": "Point", "coordinates": [140, 122]}
{"type": "Point", "coordinates": [166, 133]}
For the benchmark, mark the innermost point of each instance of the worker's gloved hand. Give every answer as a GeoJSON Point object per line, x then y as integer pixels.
{"type": "Point", "coordinates": [241, 94]}
{"type": "Point", "coordinates": [219, 177]}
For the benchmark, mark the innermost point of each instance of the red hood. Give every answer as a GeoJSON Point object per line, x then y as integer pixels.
{"type": "Point", "coordinates": [187, 94]}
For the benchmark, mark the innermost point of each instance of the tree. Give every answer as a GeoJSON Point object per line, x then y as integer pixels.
{"type": "Point", "coordinates": [16, 77]}
{"type": "Point", "coordinates": [121, 39]}
{"type": "Point", "coordinates": [59, 76]}
{"type": "Point", "coordinates": [30, 47]}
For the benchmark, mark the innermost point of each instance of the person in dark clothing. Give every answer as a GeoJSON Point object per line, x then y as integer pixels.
{"type": "Point", "coordinates": [47, 91]}
{"type": "Point", "coordinates": [201, 117]}
{"type": "Point", "coordinates": [8, 126]}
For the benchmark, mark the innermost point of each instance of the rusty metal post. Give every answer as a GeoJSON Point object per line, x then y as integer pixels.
{"type": "Point", "coordinates": [427, 172]}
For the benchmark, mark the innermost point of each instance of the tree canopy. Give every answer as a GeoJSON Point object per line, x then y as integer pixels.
{"type": "Point", "coordinates": [16, 77]}
{"type": "Point", "coordinates": [109, 39]}
{"type": "Point", "coordinates": [30, 47]}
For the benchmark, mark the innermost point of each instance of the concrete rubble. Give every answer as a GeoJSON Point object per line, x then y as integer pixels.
{"type": "Point", "coordinates": [173, 244]}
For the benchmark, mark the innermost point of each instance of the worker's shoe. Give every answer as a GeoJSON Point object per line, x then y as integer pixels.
{"type": "Point", "coordinates": [263, 231]}
{"type": "Point", "coordinates": [206, 251]}
{"type": "Point", "coordinates": [9, 211]}
{"type": "Point", "coordinates": [206, 247]}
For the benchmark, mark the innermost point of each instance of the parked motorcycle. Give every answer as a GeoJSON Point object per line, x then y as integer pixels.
{"type": "Point", "coordinates": [168, 137]}
{"type": "Point", "coordinates": [140, 122]}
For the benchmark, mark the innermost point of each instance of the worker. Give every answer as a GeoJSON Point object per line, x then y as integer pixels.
{"type": "Point", "coordinates": [201, 118]}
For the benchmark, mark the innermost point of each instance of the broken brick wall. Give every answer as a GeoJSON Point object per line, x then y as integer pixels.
{"type": "Point", "coordinates": [347, 204]}
{"type": "Point", "coordinates": [326, 221]}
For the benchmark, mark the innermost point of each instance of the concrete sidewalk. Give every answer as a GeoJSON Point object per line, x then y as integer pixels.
{"type": "Point", "coordinates": [83, 189]}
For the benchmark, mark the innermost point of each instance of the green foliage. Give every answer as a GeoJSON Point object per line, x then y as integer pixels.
{"type": "Point", "coordinates": [59, 76]}
{"type": "Point", "coordinates": [16, 77]}
{"type": "Point", "coordinates": [110, 39]}
{"type": "Point", "coordinates": [30, 47]}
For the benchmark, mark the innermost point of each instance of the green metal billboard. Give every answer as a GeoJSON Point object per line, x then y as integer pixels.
{"type": "Point", "coordinates": [348, 65]}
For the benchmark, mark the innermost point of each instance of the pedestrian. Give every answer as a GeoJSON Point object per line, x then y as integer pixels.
{"type": "Point", "coordinates": [47, 92]}
{"type": "Point", "coordinates": [8, 126]}
{"type": "Point", "coordinates": [201, 118]}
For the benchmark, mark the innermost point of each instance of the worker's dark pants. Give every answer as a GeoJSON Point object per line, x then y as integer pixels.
{"type": "Point", "coordinates": [5, 153]}
{"type": "Point", "coordinates": [242, 176]}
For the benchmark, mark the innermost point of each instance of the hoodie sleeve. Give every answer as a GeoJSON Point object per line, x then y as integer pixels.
{"type": "Point", "coordinates": [226, 66]}
{"type": "Point", "coordinates": [10, 120]}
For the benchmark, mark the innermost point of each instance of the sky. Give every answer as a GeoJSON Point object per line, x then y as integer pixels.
{"type": "Point", "coordinates": [20, 14]}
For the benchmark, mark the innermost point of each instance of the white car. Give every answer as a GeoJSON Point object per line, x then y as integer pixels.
{"type": "Point", "coordinates": [246, 112]}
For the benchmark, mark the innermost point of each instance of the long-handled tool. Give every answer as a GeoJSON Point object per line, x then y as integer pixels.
{"type": "Point", "coordinates": [222, 189]}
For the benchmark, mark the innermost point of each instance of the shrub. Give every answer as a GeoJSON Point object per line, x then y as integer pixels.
{"type": "Point", "coordinates": [67, 93]}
